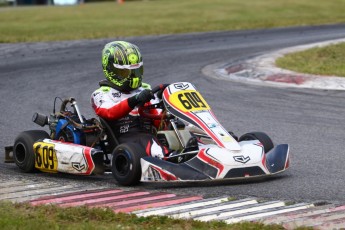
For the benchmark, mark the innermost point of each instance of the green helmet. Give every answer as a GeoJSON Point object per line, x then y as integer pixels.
{"type": "Point", "coordinates": [123, 65]}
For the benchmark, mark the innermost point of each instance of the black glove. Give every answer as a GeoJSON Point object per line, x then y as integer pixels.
{"type": "Point", "coordinates": [141, 98]}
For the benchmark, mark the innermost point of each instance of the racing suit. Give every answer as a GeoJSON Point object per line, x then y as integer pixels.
{"type": "Point", "coordinates": [116, 108]}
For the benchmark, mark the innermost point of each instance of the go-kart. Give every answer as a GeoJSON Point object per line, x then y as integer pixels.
{"type": "Point", "coordinates": [203, 149]}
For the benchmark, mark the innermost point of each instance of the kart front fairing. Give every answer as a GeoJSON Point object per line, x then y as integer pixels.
{"type": "Point", "coordinates": [224, 159]}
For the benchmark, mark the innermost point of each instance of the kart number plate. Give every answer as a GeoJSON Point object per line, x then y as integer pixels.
{"type": "Point", "coordinates": [188, 101]}
{"type": "Point", "coordinates": [45, 157]}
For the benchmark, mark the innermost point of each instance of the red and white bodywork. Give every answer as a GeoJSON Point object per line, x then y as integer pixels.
{"type": "Point", "coordinates": [56, 156]}
{"type": "Point", "coordinates": [225, 159]}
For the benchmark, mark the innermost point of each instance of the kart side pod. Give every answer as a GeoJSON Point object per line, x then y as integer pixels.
{"type": "Point", "coordinates": [55, 156]}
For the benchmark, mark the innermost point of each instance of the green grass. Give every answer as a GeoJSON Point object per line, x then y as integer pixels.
{"type": "Point", "coordinates": [327, 60]}
{"type": "Point", "coordinates": [109, 19]}
{"type": "Point", "coordinates": [25, 216]}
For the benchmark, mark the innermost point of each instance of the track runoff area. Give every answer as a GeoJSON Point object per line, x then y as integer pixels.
{"type": "Point", "coordinates": [146, 203]}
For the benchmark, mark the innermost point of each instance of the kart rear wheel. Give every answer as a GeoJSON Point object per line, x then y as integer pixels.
{"type": "Point", "coordinates": [23, 152]}
{"type": "Point", "coordinates": [260, 136]}
{"type": "Point", "coordinates": [126, 167]}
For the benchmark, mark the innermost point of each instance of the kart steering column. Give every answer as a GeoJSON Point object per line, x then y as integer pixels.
{"type": "Point", "coordinates": [179, 137]}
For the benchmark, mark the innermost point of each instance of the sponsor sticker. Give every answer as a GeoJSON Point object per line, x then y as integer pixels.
{"type": "Point", "coordinates": [227, 139]}
{"type": "Point", "coordinates": [242, 159]}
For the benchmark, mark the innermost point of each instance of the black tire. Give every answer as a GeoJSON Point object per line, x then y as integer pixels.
{"type": "Point", "coordinates": [23, 152]}
{"type": "Point", "coordinates": [126, 167]}
{"type": "Point", "coordinates": [260, 136]}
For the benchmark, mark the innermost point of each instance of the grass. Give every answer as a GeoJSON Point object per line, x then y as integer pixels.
{"type": "Point", "coordinates": [25, 216]}
{"type": "Point", "coordinates": [327, 60]}
{"type": "Point", "coordinates": [109, 19]}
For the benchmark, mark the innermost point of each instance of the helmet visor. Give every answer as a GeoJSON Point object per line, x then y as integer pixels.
{"type": "Point", "coordinates": [137, 72]}
{"type": "Point", "coordinates": [123, 72]}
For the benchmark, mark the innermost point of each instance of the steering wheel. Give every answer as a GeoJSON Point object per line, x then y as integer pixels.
{"type": "Point", "coordinates": [144, 110]}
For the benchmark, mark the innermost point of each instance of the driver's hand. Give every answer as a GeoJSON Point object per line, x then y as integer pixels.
{"type": "Point", "coordinates": [144, 96]}
{"type": "Point", "coordinates": [141, 98]}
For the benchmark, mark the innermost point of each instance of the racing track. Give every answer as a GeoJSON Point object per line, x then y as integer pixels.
{"type": "Point", "coordinates": [311, 121]}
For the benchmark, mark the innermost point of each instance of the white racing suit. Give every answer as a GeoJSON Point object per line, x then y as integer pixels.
{"type": "Point", "coordinates": [112, 105]}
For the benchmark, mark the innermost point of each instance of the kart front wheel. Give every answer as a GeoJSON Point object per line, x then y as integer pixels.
{"type": "Point", "coordinates": [260, 136]}
{"type": "Point", "coordinates": [126, 167]}
{"type": "Point", "coordinates": [23, 151]}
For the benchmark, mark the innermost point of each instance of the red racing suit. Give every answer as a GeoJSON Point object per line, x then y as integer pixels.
{"type": "Point", "coordinates": [112, 105]}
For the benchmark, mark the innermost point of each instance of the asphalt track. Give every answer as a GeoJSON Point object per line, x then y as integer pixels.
{"type": "Point", "coordinates": [310, 120]}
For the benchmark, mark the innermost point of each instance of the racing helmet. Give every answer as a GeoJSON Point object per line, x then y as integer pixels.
{"type": "Point", "coordinates": [123, 65]}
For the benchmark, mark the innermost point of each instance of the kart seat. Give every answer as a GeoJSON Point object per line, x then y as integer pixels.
{"type": "Point", "coordinates": [171, 141]}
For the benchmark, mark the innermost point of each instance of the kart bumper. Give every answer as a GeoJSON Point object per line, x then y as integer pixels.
{"type": "Point", "coordinates": [199, 169]}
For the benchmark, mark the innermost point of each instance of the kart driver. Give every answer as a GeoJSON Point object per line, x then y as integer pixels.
{"type": "Point", "coordinates": [121, 93]}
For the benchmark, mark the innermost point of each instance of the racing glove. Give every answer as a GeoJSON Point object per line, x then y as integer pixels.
{"type": "Point", "coordinates": [140, 98]}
